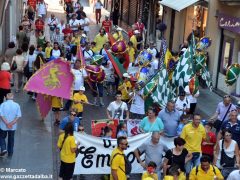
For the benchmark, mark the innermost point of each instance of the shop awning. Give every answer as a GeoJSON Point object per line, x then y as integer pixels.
{"type": "Point", "coordinates": [178, 4]}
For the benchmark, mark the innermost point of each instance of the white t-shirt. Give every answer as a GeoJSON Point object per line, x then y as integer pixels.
{"type": "Point", "coordinates": [56, 53]}
{"type": "Point", "coordinates": [137, 105]}
{"type": "Point", "coordinates": [88, 54]}
{"type": "Point", "coordinates": [190, 97]}
{"type": "Point", "coordinates": [42, 9]}
{"type": "Point", "coordinates": [98, 5]}
{"type": "Point", "coordinates": [74, 23]}
{"type": "Point", "coordinates": [84, 21]}
{"type": "Point", "coordinates": [154, 64]}
{"type": "Point", "coordinates": [79, 75]}
{"type": "Point", "coordinates": [61, 27]}
{"type": "Point", "coordinates": [109, 71]}
{"type": "Point", "coordinates": [153, 51]}
{"type": "Point", "coordinates": [117, 109]}
{"type": "Point", "coordinates": [234, 175]}
{"type": "Point", "coordinates": [30, 60]}
{"type": "Point", "coordinates": [182, 105]}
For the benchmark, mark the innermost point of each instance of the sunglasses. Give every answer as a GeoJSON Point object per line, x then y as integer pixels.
{"type": "Point", "coordinates": [81, 129]}
{"type": "Point", "coordinates": [73, 114]}
{"type": "Point", "coordinates": [126, 144]}
{"type": "Point", "coordinates": [227, 96]}
{"type": "Point", "coordinates": [234, 110]}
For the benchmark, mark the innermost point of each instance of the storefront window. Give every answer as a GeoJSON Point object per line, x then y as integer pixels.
{"type": "Point", "coordinates": [226, 54]}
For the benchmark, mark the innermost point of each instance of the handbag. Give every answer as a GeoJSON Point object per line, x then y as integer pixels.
{"type": "Point", "coordinates": [14, 65]}
{"type": "Point", "coordinates": [217, 124]}
{"type": "Point", "coordinates": [225, 160]}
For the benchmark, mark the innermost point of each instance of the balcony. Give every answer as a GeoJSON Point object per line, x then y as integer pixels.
{"type": "Point", "coordinates": [231, 2]}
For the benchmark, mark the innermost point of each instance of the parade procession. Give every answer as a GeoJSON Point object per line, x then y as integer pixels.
{"type": "Point", "coordinates": [100, 99]}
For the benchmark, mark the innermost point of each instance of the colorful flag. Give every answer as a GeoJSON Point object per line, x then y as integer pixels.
{"type": "Point", "coordinates": [116, 64]}
{"type": "Point", "coordinates": [80, 56]}
{"type": "Point", "coordinates": [44, 103]}
{"type": "Point", "coordinates": [53, 78]}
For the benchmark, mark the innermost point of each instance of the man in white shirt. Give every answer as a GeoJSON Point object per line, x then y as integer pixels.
{"type": "Point", "coordinates": [79, 75]}
{"type": "Point", "coordinates": [97, 7]}
{"type": "Point", "coordinates": [182, 104]}
{"type": "Point", "coordinates": [192, 99]}
{"type": "Point", "coordinates": [74, 23]}
{"type": "Point", "coordinates": [152, 49]}
{"type": "Point", "coordinates": [137, 108]}
{"type": "Point", "coordinates": [88, 54]}
{"type": "Point", "coordinates": [42, 9]}
{"type": "Point", "coordinates": [84, 22]}
{"type": "Point", "coordinates": [61, 26]}
{"type": "Point", "coordinates": [52, 23]}
{"type": "Point", "coordinates": [116, 109]}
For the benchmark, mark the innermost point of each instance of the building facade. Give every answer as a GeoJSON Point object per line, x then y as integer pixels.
{"type": "Point", "coordinates": [10, 18]}
{"type": "Point", "coordinates": [217, 19]}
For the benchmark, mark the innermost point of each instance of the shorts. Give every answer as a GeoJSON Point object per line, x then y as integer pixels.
{"type": "Point", "coordinates": [66, 170]}
{"type": "Point", "coordinates": [56, 109]}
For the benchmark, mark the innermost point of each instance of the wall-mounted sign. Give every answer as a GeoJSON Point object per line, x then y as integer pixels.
{"type": "Point", "coordinates": [228, 22]}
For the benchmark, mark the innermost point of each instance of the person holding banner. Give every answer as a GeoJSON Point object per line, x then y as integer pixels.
{"type": "Point", "coordinates": [117, 160]}
{"type": "Point", "coordinates": [66, 144]}
{"type": "Point", "coordinates": [116, 108]}
{"type": "Point", "coordinates": [153, 152]}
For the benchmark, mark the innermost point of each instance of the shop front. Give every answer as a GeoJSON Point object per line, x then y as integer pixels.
{"type": "Point", "coordinates": [229, 51]}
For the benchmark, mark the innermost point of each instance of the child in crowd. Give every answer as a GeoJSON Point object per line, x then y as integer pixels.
{"type": "Point", "coordinates": [81, 129]}
{"type": "Point", "coordinates": [106, 132]}
{"type": "Point", "coordinates": [183, 122]}
{"type": "Point", "coordinates": [48, 50]}
{"type": "Point", "coordinates": [209, 143]}
{"type": "Point", "coordinates": [131, 53]}
{"type": "Point", "coordinates": [122, 130]}
{"type": "Point", "coordinates": [151, 167]}
{"type": "Point", "coordinates": [57, 104]}
{"type": "Point", "coordinates": [94, 48]}
{"type": "Point", "coordinates": [78, 100]}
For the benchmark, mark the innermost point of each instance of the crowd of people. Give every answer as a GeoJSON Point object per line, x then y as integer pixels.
{"type": "Point", "coordinates": [182, 145]}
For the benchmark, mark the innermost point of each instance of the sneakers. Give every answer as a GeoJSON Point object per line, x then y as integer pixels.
{"type": "Point", "coordinates": [3, 153]}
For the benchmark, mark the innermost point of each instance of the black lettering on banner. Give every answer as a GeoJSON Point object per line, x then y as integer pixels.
{"type": "Point", "coordinates": [107, 143]}
{"type": "Point", "coordinates": [87, 156]}
{"type": "Point", "coordinates": [132, 158]}
{"type": "Point", "coordinates": [103, 158]}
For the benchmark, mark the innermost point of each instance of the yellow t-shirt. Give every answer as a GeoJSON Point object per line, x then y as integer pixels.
{"type": "Point", "coordinates": [48, 51]}
{"type": "Point", "coordinates": [146, 176]}
{"type": "Point", "coordinates": [118, 162]}
{"type": "Point", "coordinates": [193, 137]}
{"type": "Point", "coordinates": [118, 36]}
{"type": "Point", "coordinates": [202, 175]}
{"type": "Point", "coordinates": [125, 88]}
{"type": "Point", "coordinates": [100, 41]}
{"type": "Point", "coordinates": [94, 49]}
{"type": "Point", "coordinates": [131, 53]}
{"type": "Point", "coordinates": [66, 154]}
{"type": "Point", "coordinates": [76, 41]}
{"type": "Point", "coordinates": [133, 39]}
{"type": "Point", "coordinates": [79, 97]}
{"type": "Point", "coordinates": [56, 102]}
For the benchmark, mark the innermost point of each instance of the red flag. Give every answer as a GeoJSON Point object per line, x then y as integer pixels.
{"type": "Point", "coordinates": [44, 103]}
{"type": "Point", "coordinates": [80, 56]}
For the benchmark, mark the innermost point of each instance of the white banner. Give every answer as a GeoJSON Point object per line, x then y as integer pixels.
{"type": "Point", "coordinates": [95, 153]}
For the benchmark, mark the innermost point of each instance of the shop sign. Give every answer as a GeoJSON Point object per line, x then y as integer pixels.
{"type": "Point", "coordinates": [229, 23]}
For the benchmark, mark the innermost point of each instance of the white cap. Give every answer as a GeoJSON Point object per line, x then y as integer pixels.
{"type": "Point", "coordinates": [39, 15]}
{"type": "Point", "coordinates": [84, 35]}
{"type": "Point", "coordinates": [126, 75]}
{"type": "Point", "coordinates": [82, 88]}
{"type": "Point", "coordinates": [5, 66]}
{"type": "Point", "coordinates": [136, 32]}
{"type": "Point", "coordinates": [119, 29]}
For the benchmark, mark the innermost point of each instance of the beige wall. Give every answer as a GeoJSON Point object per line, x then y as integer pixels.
{"type": "Point", "coordinates": [214, 32]}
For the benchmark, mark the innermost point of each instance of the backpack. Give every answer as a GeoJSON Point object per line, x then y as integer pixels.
{"type": "Point", "coordinates": [128, 165]}
{"type": "Point", "coordinates": [214, 170]}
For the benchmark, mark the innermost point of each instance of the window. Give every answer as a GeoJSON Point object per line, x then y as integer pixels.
{"type": "Point", "coordinates": [227, 51]}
